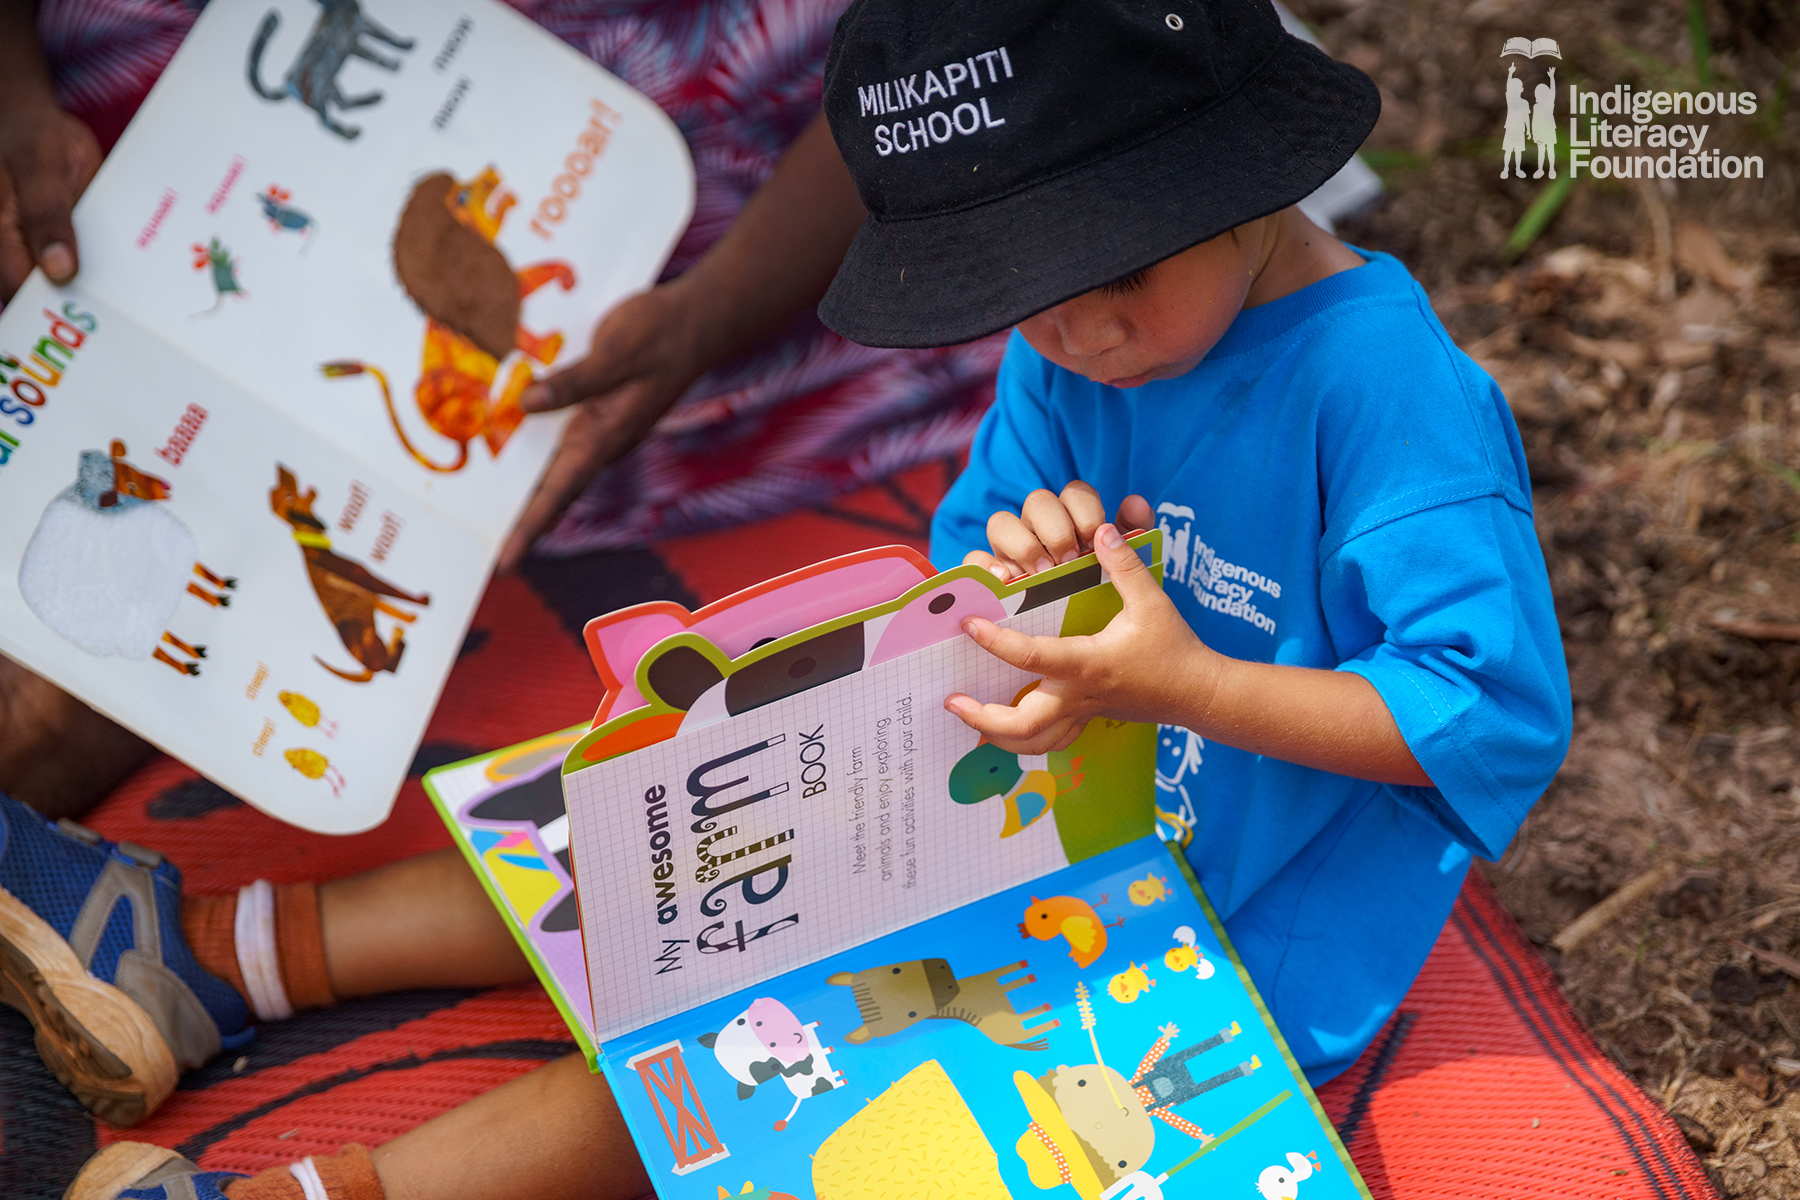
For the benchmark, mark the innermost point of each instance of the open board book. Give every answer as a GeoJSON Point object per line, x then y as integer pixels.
{"type": "Point", "coordinates": [260, 460]}
{"type": "Point", "coordinates": [829, 942]}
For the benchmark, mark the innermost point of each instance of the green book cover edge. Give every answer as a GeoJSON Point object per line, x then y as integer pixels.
{"type": "Point", "coordinates": [1262, 1010]}
{"type": "Point", "coordinates": [548, 980]}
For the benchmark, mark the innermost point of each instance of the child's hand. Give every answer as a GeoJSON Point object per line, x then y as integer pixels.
{"type": "Point", "coordinates": [1146, 665]}
{"type": "Point", "coordinates": [1052, 529]}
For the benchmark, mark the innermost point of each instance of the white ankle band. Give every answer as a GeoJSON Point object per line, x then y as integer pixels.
{"type": "Point", "coordinates": [257, 959]}
{"type": "Point", "coordinates": [304, 1172]}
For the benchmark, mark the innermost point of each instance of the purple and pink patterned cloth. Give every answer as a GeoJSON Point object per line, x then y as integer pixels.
{"type": "Point", "coordinates": [801, 418]}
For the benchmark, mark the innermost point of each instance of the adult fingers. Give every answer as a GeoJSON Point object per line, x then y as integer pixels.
{"type": "Point", "coordinates": [1135, 513]}
{"type": "Point", "coordinates": [47, 187]}
{"type": "Point", "coordinates": [1085, 509]}
{"type": "Point", "coordinates": [1129, 574]}
{"type": "Point", "coordinates": [15, 256]}
{"type": "Point", "coordinates": [981, 558]}
{"type": "Point", "coordinates": [1044, 514]}
{"type": "Point", "coordinates": [1050, 657]}
{"type": "Point", "coordinates": [600, 433]}
{"type": "Point", "coordinates": [591, 376]}
{"type": "Point", "coordinates": [1015, 545]}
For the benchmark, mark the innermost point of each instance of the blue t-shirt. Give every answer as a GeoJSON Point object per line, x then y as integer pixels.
{"type": "Point", "coordinates": [1341, 487]}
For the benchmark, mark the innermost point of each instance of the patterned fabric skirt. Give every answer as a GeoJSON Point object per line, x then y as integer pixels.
{"type": "Point", "coordinates": [803, 417]}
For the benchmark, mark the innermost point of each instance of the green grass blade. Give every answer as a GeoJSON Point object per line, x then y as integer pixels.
{"type": "Point", "coordinates": [1548, 201]}
{"type": "Point", "coordinates": [1702, 43]}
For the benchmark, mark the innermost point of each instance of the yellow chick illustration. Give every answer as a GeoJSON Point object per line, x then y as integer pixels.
{"type": "Point", "coordinates": [1187, 955]}
{"type": "Point", "coordinates": [314, 765]}
{"type": "Point", "coordinates": [307, 713]}
{"type": "Point", "coordinates": [1130, 983]}
{"type": "Point", "coordinates": [1148, 890]}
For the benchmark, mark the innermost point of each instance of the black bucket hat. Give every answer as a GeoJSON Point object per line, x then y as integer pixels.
{"type": "Point", "coordinates": [1015, 153]}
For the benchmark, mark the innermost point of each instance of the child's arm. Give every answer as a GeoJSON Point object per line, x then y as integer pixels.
{"type": "Point", "coordinates": [1148, 665]}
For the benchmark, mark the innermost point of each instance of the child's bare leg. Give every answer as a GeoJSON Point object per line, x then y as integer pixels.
{"type": "Point", "coordinates": [552, 1133]}
{"type": "Point", "coordinates": [420, 922]}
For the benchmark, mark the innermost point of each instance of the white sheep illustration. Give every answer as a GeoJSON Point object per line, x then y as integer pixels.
{"type": "Point", "coordinates": [108, 565]}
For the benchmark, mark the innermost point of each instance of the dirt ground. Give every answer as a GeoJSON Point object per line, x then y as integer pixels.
{"type": "Point", "coordinates": [1649, 343]}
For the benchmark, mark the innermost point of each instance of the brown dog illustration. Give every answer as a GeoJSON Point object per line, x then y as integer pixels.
{"type": "Point", "coordinates": [445, 257]}
{"type": "Point", "coordinates": [348, 591]}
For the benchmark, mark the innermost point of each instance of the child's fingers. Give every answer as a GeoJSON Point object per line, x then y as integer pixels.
{"type": "Point", "coordinates": [1085, 509]}
{"type": "Point", "coordinates": [981, 558]}
{"type": "Point", "coordinates": [1044, 514]}
{"type": "Point", "coordinates": [1051, 657]}
{"type": "Point", "coordinates": [1135, 513]}
{"type": "Point", "coordinates": [1015, 545]}
{"type": "Point", "coordinates": [1060, 737]}
{"type": "Point", "coordinates": [1129, 574]}
{"type": "Point", "coordinates": [1033, 726]}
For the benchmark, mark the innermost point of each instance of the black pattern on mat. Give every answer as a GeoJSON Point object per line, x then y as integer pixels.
{"type": "Point", "coordinates": [1633, 1129]}
{"type": "Point", "coordinates": [282, 1042]}
{"type": "Point", "coordinates": [1391, 1040]}
{"type": "Point", "coordinates": [46, 1134]}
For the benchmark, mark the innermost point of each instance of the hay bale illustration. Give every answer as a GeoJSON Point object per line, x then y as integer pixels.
{"type": "Point", "coordinates": [917, 1139]}
{"type": "Point", "coordinates": [456, 276]}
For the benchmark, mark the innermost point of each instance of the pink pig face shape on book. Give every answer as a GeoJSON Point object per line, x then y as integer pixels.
{"type": "Point", "coordinates": [744, 620]}
{"type": "Point", "coordinates": [686, 678]}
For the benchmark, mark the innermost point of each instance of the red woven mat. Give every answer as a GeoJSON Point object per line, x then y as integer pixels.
{"type": "Point", "coordinates": [1483, 1085]}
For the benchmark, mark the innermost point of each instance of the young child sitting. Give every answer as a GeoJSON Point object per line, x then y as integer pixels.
{"type": "Point", "coordinates": [1354, 614]}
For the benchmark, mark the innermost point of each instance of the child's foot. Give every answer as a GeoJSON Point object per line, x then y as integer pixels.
{"type": "Point", "coordinates": [56, 753]}
{"type": "Point", "coordinates": [136, 1171]}
{"type": "Point", "coordinates": [119, 1004]}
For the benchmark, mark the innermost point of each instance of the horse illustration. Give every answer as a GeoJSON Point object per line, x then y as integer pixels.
{"type": "Point", "coordinates": [337, 36]}
{"type": "Point", "coordinates": [898, 996]}
{"type": "Point", "coordinates": [350, 593]}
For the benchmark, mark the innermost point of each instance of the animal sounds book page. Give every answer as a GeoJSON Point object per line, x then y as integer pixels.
{"type": "Point", "coordinates": [1086, 1035]}
{"type": "Point", "coordinates": [387, 218]}
{"type": "Point", "coordinates": [775, 833]}
{"type": "Point", "coordinates": [185, 559]}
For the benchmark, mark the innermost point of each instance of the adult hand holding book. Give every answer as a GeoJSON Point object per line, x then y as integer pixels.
{"type": "Point", "coordinates": [47, 158]}
{"type": "Point", "coordinates": [774, 263]}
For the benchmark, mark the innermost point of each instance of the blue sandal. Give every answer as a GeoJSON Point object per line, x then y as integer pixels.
{"type": "Point", "coordinates": [138, 1171]}
{"type": "Point", "coordinates": [118, 1001]}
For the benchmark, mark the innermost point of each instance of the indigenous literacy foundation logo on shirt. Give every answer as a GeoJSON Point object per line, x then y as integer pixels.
{"type": "Point", "coordinates": [1222, 586]}
{"type": "Point", "coordinates": [1649, 147]}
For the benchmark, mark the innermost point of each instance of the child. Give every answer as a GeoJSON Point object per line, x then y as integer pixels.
{"type": "Point", "coordinates": [1359, 620]}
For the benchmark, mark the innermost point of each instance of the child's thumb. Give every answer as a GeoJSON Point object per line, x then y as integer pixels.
{"type": "Point", "coordinates": [1128, 572]}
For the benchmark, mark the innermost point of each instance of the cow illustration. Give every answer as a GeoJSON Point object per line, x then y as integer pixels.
{"type": "Point", "coordinates": [900, 995]}
{"type": "Point", "coordinates": [767, 1041]}
{"type": "Point", "coordinates": [109, 565]}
